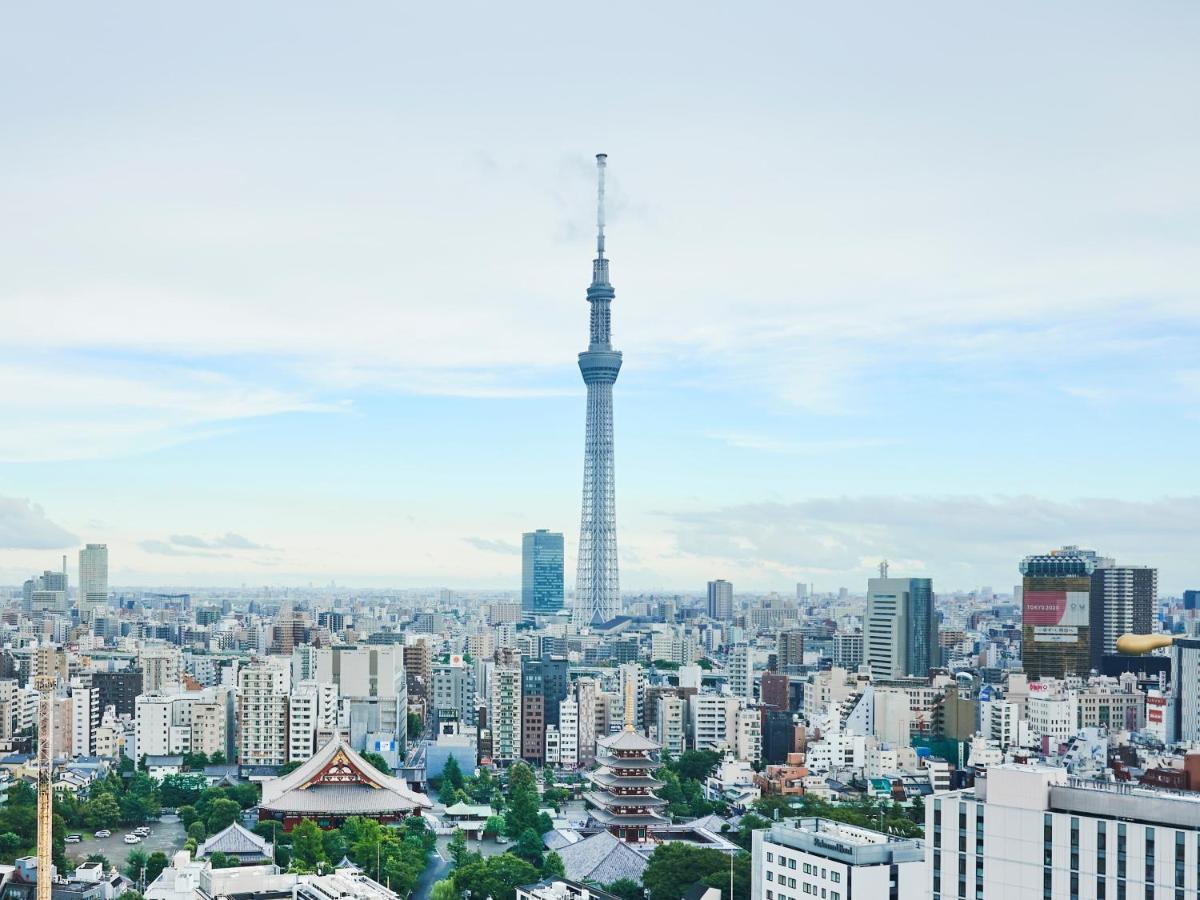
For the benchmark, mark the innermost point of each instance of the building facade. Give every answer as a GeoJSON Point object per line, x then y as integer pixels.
{"type": "Point", "coordinates": [541, 573]}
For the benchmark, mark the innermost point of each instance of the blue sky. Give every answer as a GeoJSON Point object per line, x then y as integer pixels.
{"type": "Point", "coordinates": [293, 293]}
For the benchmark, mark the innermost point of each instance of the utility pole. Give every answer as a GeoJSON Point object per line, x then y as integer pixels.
{"type": "Point", "coordinates": [44, 684]}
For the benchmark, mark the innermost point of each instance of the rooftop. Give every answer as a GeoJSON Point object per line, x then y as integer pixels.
{"type": "Point", "coordinates": [846, 843]}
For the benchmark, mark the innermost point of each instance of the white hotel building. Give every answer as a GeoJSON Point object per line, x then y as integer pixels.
{"type": "Point", "coordinates": [1035, 833]}
{"type": "Point", "coordinates": [819, 859]}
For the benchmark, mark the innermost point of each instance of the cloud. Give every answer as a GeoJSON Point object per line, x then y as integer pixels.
{"type": "Point", "coordinates": [230, 541]}
{"type": "Point", "coordinates": [24, 526]}
{"type": "Point", "coordinates": [961, 541]}
{"type": "Point", "coordinates": [769, 444]}
{"type": "Point", "coordinates": [163, 548]}
{"type": "Point", "coordinates": [491, 546]}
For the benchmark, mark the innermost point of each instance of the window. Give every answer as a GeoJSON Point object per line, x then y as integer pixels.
{"type": "Point", "coordinates": [770, 856]}
{"type": "Point", "coordinates": [770, 875]}
{"type": "Point", "coordinates": [835, 877]}
{"type": "Point", "coordinates": [791, 863]}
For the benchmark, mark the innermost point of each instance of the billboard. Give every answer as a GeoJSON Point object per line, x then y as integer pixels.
{"type": "Point", "coordinates": [1055, 608]}
{"type": "Point", "coordinates": [1055, 634]}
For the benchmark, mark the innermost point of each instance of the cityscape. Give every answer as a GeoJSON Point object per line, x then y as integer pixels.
{"type": "Point", "coordinates": [890, 598]}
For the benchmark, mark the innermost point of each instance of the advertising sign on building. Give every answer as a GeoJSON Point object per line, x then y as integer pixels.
{"type": "Point", "coordinates": [1055, 608]}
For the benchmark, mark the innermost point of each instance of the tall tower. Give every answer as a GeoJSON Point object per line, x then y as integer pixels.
{"type": "Point", "coordinates": [597, 592]}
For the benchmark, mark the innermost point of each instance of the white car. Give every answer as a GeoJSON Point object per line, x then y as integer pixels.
{"type": "Point", "coordinates": [132, 839]}
{"type": "Point", "coordinates": [103, 833]}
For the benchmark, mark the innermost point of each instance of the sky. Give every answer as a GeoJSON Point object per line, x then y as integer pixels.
{"type": "Point", "coordinates": [292, 293]}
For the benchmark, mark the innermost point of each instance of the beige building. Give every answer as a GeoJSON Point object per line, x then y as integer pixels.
{"type": "Point", "coordinates": [263, 689]}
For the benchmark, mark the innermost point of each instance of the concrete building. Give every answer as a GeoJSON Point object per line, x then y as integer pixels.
{"type": "Point", "coordinates": [541, 573]}
{"type": "Point", "coordinates": [1123, 601]}
{"type": "Point", "coordinates": [454, 691]}
{"type": "Point", "coordinates": [1035, 832]}
{"type": "Point", "coordinates": [263, 690]}
{"type": "Point", "coordinates": [671, 724]}
{"type": "Point", "coordinates": [712, 721]}
{"type": "Point", "coordinates": [741, 672]}
{"type": "Point", "coordinates": [568, 734]}
{"type": "Point", "coordinates": [819, 858]}
{"type": "Point", "coordinates": [312, 718]}
{"type": "Point", "coordinates": [162, 669]}
{"type": "Point", "coordinates": [720, 600]}
{"type": "Point", "coordinates": [504, 715]}
{"type": "Point", "coordinates": [93, 581]}
{"type": "Point", "coordinates": [848, 649]}
{"type": "Point", "coordinates": [900, 636]}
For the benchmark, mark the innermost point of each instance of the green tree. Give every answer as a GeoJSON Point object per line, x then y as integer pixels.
{"type": "Point", "coordinates": [626, 889]}
{"type": "Point", "coordinates": [217, 758]}
{"type": "Point", "coordinates": [529, 847]}
{"type": "Point", "coordinates": [221, 860]}
{"type": "Point", "coordinates": [674, 867]}
{"type": "Point", "coordinates": [132, 895]}
{"type": "Point", "coordinates": [494, 825]}
{"type": "Point", "coordinates": [221, 814]}
{"type": "Point", "coordinates": [496, 877]}
{"type": "Point", "coordinates": [444, 890]}
{"type": "Point", "coordinates": [750, 823]}
{"type": "Point", "coordinates": [308, 846]}
{"type": "Point", "coordinates": [447, 793]}
{"type": "Point", "coordinates": [197, 832]}
{"type": "Point", "coordinates": [194, 761]}
{"type": "Point", "coordinates": [135, 864]}
{"type": "Point", "coordinates": [335, 846]}
{"type": "Point", "coordinates": [523, 801]}
{"type": "Point", "coordinates": [457, 848]}
{"type": "Point", "coordinates": [288, 767]}
{"type": "Point", "coordinates": [553, 866]}
{"type": "Point", "coordinates": [416, 726]}
{"type": "Point", "coordinates": [102, 811]}
{"type": "Point", "coordinates": [187, 814]}
{"type": "Point", "coordinates": [696, 765]}
{"type": "Point", "coordinates": [99, 858]}
{"type": "Point", "coordinates": [453, 773]}
{"type": "Point", "coordinates": [481, 787]}
{"type": "Point", "coordinates": [378, 762]}
{"type": "Point", "coordinates": [155, 863]}
{"type": "Point", "coordinates": [181, 790]}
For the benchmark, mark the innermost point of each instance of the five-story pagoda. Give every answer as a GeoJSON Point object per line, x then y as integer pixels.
{"type": "Point", "coordinates": [623, 799]}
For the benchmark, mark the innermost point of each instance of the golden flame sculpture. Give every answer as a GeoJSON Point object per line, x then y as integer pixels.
{"type": "Point", "coordinates": [1137, 644]}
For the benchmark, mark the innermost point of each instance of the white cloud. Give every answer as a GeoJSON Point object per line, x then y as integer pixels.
{"type": "Point", "coordinates": [24, 526]}
{"type": "Point", "coordinates": [493, 546]}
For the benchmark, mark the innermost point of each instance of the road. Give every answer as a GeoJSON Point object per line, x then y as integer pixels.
{"type": "Point", "coordinates": [435, 870]}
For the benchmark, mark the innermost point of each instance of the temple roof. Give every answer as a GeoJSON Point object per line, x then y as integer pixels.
{"type": "Point", "coordinates": [629, 740]}
{"type": "Point", "coordinates": [605, 778]}
{"type": "Point", "coordinates": [606, 798]}
{"type": "Point", "coordinates": [336, 780]}
{"type": "Point", "coordinates": [615, 762]}
{"type": "Point", "coordinates": [236, 840]}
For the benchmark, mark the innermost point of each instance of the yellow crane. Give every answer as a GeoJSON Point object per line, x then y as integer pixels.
{"type": "Point", "coordinates": [44, 685]}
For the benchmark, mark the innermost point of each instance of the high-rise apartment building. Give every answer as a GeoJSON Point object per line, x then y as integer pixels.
{"type": "Point", "coordinates": [568, 734]}
{"type": "Point", "coordinates": [418, 669]}
{"type": "Point", "coordinates": [118, 689]}
{"type": "Point", "coordinates": [1122, 602]}
{"type": "Point", "coordinates": [597, 588]}
{"type": "Point", "coordinates": [541, 573]}
{"type": "Point", "coordinates": [1183, 701]}
{"type": "Point", "coordinates": [162, 669]}
{"type": "Point", "coordinates": [454, 692]}
{"type": "Point", "coordinates": [312, 718]}
{"type": "Point", "coordinates": [263, 690]}
{"type": "Point", "coordinates": [720, 600]}
{"type": "Point", "coordinates": [93, 580]}
{"type": "Point", "coordinates": [741, 672]}
{"type": "Point", "coordinates": [504, 715]}
{"type": "Point", "coordinates": [900, 635]}
{"type": "Point", "coordinates": [848, 649]}
{"type": "Point", "coordinates": [775, 690]}
{"type": "Point", "coordinates": [372, 687]}
{"type": "Point", "coordinates": [1056, 612]}
{"type": "Point", "coordinates": [671, 724]}
{"type": "Point", "coordinates": [789, 652]}
{"type": "Point", "coordinates": [712, 721]}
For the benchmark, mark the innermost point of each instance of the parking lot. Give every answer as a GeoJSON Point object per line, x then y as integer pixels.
{"type": "Point", "coordinates": [166, 835]}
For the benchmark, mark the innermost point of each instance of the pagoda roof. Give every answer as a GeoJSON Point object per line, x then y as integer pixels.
{"type": "Point", "coordinates": [605, 798]}
{"type": "Point", "coordinates": [605, 778]}
{"type": "Point", "coordinates": [604, 817]}
{"type": "Point", "coordinates": [336, 780]}
{"type": "Point", "coordinates": [618, 762]}
{"type": "Point", "coordinates": [629, 740]}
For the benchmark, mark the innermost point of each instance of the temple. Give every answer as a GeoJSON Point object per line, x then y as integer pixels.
{"type": "Point", "coordinates": [623, 800]}
{"type": "Point", "coordinates": [335, 784]}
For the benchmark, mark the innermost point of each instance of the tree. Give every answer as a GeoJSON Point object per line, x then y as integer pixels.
{"type": "Point", "coordinates": [135, 863]}
{"type": "Point", "coordinates": [181, 790]}
{"type": "Point", "coordinates": [378, 762]}
{"type": "Point", "coordinates": [457, 848]}
{"type": "Point", "coordinates": [444, 890]}
{"type": "Point", "coordinates": [447, 793]}
{"type": "Point", "coordinates": [125, 765]}
{"type": "Point", "coordinates": [216, 758]}
{"type": "Point", "coordinates": [494, 825]}
{"type": "Point", "coordinates": [553, 866]}
{"type": "Point", "coordinates": [675, 867]}
{"type": "Point", "coordinates": [529, 847]}
{"type": "Point", "coordinates": [194, 761]}
{"type": "Point", "coordinates": [221, 860]}
{"type": "Point", "coordinates": [187, 814]}
{"type": "Point", "coordinates": [496, 877]}
{"type": "Point", "coordinates": [523, 801]}
{"type": "Point", "coordinates": [416, 726]}
{"type": "Point", "coordinates": [102, 811]}
{"type": "Point", "coordinates": [288, 767]}
{"type": "Point", "coordinates": [155, 863]}
{"type": "Point", "coordinates": [132, 895]}
{"type": "Point", "coordinates": [99, 858]}
{"type": "Point", "coordinates": [308, 846]}
{"type": "Point", "coordinates": [750, 823]}
{"type": "Point", "coordinates": [696, 765]}
{"type": "Point", "coordinates": [626, 889]}
{"type": "Point", "coordinates": [453, 773]}
{"type": "Point", "coordinates": [196, 831]}
{"type": "Point", "coordinates": [221, 814]}
{"type": "Point", "coordinates": [335, 846]}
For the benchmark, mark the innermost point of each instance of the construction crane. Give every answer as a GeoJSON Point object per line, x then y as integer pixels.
{"type": "Point", "coordinates": [44, 685]}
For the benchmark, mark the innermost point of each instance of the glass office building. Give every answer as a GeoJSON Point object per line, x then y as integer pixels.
{"type": "Point", "coordinates": [541, 573]}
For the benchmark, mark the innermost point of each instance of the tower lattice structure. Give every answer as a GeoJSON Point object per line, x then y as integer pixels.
{"type": "Point", "coordinates": [597, 588]}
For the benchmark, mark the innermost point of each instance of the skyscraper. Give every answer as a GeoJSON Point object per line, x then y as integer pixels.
{"type": "Point", "coordinates": [900, 637]}
{"type": "Point", "coordinates": [93, 580]}
{"type": "Point", "coordinates": [541, 573]}
{"type": "Point", "coordinates": [597, 591]}
{"type": "Point", "coordinates": [720, 600]}
{"type": "Point", "coordinates": [1122, 602]}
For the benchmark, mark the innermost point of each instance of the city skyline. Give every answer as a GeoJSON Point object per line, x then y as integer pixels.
{"type": "Point", "coordinates": [318, 321]}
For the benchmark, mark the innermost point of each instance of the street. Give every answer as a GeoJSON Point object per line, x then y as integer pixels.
{"type": "Point", "coordinates": [435, 870]}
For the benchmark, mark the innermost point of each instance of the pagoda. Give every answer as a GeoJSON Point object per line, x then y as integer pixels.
{"type": "Point", "coordinates": [623, 800]}
{"type": "Point", "coordinates": [335, 784]}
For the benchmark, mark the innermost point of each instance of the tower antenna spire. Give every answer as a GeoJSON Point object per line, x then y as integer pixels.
{"type": "Point", "coordinates": [601, 165]}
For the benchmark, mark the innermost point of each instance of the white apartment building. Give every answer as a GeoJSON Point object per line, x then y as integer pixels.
{"type": "Point", "coordinates": [1000, 721]}
{"type": "Point", "coordinates": [162, 724]}
{"type": "Point", "coordinates": [263, 689]}
{"type": "Point", "coordinates": [454, 691]}
{"type": "Point", "coordinates": [371, 686]}
{"type": "Point", "coordinates": [504, 715]}
{"type": "Point", "coordinates": [587, 695]}
{"type": "Point", "coordinates": [162, 669]}
{"type": "Point", "coordinates": [633, 695]}
{"type": "Point", "coordinates": [671, 722]}
{"type": "Point", "coordinates": [312, 718]}
{"type": "Point", "coordinates": [553, 747]}
{"type": "Point", "coordinates": [748, 730]}
{"type": "Point", "coordinates": [1035, 832]}
{"type": "Point", "coordinates": [568, 733]}
{"type": "Point", "coordinates": [712, 721]}
{"type": "Point", "coordinates": [1052, 715]}
{"type": "Point", "coordinates": [92, 597]}
{"type": "Point", "coordinates": [110, 736]}
{"type": "Point", "coordinates": [85, 717]}
{"type": "Point", "coordinates": [741, 672]}
{"type": "Point", "coordinates": [823, 860]}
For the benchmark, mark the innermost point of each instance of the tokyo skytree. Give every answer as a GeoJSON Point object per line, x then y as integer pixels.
{"type": "Point", "coordinates": [597, 592]}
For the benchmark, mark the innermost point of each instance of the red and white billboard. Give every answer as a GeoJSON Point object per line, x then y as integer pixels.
{"type": "Point", "coordinates": [1067, 608]}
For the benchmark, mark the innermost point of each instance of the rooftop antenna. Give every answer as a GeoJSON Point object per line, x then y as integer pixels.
{"type": "Point", "coordinates": [601, 164]}
{"type": "Point", "coordinates": [883, 567]}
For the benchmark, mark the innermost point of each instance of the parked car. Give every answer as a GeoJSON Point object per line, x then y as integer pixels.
{"type": "Point", "coordinates": [132, 839]}
{"type": "Point", "coordinates": [103, 833]}
{"type": "Point", "coordinates": [142, 831]}
{"type": "Point", "coordinates": [74, 838]}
